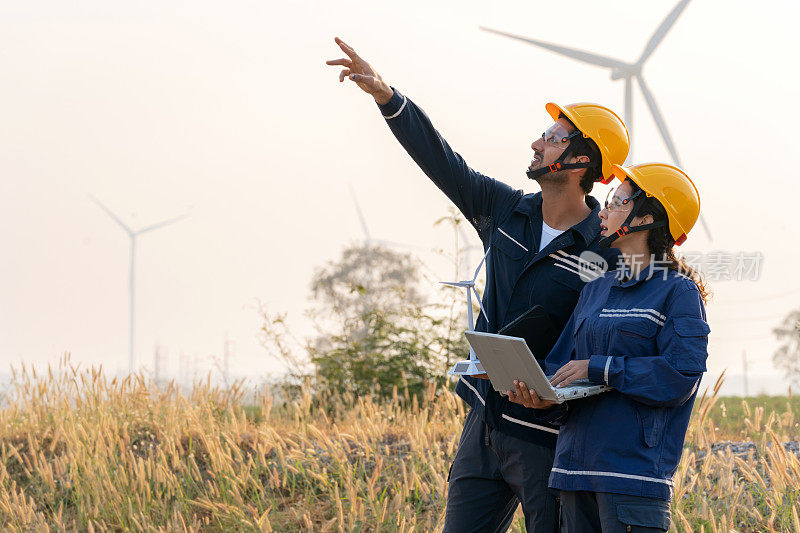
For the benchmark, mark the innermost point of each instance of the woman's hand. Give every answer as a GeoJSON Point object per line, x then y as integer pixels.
{"type": "Point", "coordinates": [359, 71]}
{"type": "Point", "coordinates": [570, 372]}
{"type": "Point", "coordinates": [528, 398]}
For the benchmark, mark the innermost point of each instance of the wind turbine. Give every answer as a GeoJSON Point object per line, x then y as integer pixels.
{"type": "Point", "coordinates": [466, 247]}
{"type": "Point", "coordinates": [627, 71]}
{"type": "Point", "coordinates": [367, 246]}
{"type": "Point", "coordinates": [471, 366]}
{"type": "Point", "coordinates": [369, 241]}
{"type": "Point", "coordinates": [133, 234]}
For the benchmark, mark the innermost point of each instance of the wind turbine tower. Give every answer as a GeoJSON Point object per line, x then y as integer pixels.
{"type": "Point", "coordinates": [226, 360]}
{"type": "Point", "coordinates": [471, 366]}
{"type": "Point", "coordinates": [159, 366]}
{"type": "Point", "coordinates": [131, 273]}
{"type": "Point", "coordinates": [466, 247]}
{"type": "Point", "coordinates": [622, 70]}
{"type": "Point", "coordinates": [369, 242]}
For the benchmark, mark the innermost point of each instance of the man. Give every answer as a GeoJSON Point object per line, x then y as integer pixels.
{"type": "Point", "coordinates": [505, 453]}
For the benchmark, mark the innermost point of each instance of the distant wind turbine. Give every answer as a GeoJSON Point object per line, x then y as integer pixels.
{"type": "Point", "coordinates": [369, 242]}
{"type": "Point", "coordinates": [133, 234]}
{"type": "Point", "coordinates": [627, 71]}
{"type": "Point", "coordinates": [368, 239]}
{"type": "Point", "coordinates": [466, 248]}
{"type": "Point", "coordinates": [471, 366]}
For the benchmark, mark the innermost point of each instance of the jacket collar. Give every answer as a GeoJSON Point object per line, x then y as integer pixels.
{"type": "Point", "coordinates": [625, 272]}
{"type": "Point", "coordinates": [588, 228]}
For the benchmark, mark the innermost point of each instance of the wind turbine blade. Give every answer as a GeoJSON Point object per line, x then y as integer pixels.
{"type": "Point", "coordinates": [580, 55]}
{"type": "Point", "coordinates": [463, 236]}
{"type": "Point", "coordinates": [629, 113]}
{"type": "Point", "coordinates": [662, 126]}
{"type": "Point", "coordinates": [477, 270]}
{"type": "Point", "coordinates": [360, 214]}
{"type": "Point", "coordinates": [161, 224]}
{"type": "Point", "coordinates": [705, 227]}
{"type": "Point", "coordinates": [456, 283]}
{"type": "Point", "coordinates": [401, 245]}
{"type": "Point", "coordinates": [478, 296]}
{"type": "Point", "coordinates": [112, 215]}
{"type": "Point", "coordinates": [662, 30]}
{"type": "Point", "coordinates": [465, 239]}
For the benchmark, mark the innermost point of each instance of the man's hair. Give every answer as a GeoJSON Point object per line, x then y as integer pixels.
{"type": "Point", "coordinates": [581, 145]}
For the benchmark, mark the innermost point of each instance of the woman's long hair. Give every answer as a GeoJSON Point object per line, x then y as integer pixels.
{"type": "Point", "coordinates": [661, 244]}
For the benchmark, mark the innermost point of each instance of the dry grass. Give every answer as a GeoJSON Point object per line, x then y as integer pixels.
{"type": "Point", "coordinates": [80, 452]}
{"type": "Point", "coordinates": [755, 491]}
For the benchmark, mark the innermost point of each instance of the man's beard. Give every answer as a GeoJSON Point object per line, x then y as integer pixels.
{"type": "Point", "coordinates": [559, 177]}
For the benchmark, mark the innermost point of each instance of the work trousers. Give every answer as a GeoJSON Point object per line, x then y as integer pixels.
{"type": "Point", "coordinates": [583, 512]}
{"type": "Point", "coordinates": [492, 474]}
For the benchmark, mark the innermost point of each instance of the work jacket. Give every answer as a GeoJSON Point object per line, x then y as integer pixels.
{"type": "Point", "coordinates": [647, 338]}
{"type": "Point", "coordinates": [518, 275]}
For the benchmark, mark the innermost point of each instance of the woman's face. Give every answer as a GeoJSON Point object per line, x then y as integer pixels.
{"type": "Point", "coordinates": [615, 212]}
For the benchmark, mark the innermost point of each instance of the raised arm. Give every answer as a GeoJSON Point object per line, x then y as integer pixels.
{"type": "Point", "coordinates": [483, 201]}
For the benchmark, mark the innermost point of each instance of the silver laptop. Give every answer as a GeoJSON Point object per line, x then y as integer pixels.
{"type": "Point", "coordinates": [508, 358]}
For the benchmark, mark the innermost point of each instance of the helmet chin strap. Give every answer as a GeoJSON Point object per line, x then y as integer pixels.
{"type": "Point", "coordinates": [559, 163]}
{"type": "Point", "coordinates": [555, 167]}
{"type": "Point", "coordinates": [626, 229]}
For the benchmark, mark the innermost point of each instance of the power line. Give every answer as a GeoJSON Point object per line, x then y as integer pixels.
{"type": "Point", "coordinates": [726, 338]}
{"type": "Point", "coordinates": [762, 298]}
{"type": "Point", "coordinates": [751, 319]}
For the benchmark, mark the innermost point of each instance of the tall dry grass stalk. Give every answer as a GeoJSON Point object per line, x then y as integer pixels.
{"type": "Point", "coordinates": [82, 453]}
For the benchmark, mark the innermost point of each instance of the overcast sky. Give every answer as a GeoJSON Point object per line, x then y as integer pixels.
{"type": "Point", "coordinates": [227, 110]}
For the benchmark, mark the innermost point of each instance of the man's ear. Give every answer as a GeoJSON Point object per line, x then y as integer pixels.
{"type": "Point", "coordinates": [579, 159]}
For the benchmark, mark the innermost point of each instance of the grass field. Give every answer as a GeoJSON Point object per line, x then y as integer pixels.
{"type": "Point", "coordinates": [84, 453]}
{"type": "Point", "coordinates": [730, 413]}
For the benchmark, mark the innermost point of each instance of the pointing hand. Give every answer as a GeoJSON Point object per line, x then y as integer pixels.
{"type": "Point", "coordinates": [359, 71]}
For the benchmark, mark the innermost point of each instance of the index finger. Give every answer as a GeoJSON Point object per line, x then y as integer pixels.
{"type": "Point", "coordinates": [346, 48]}
{"type": "Point", "coordinates": [534, 396]}
{"type": "Point", "coordinates": [537, 402]}
{"type": "Point", "coordinates": [566, 378]}
{"type": "Point", "coordinates": [560, 373]}
{"type": "Point", "coordinates": [523, 392]}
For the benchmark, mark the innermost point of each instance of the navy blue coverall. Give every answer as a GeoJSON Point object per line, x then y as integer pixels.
{"type": "Point", "coordinates": [647, 337]}
{"type": "Point", "coordinates": [505, 452]}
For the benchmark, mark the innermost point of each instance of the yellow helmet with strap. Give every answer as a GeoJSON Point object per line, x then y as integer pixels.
{"type": "Point", "coordinates": [674, 190]}
{"type": "Point", "coordinates": [601, 125]}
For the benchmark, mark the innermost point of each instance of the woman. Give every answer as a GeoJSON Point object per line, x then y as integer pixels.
{"type": "Point", "coordinates": [642, 331]}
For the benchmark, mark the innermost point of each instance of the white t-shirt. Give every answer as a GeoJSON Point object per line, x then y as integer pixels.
{"type": "Point", "coordinates": [548, 234]}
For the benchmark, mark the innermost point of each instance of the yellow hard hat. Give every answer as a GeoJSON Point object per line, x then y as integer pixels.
{"type": "Point", "coordinates": [672, 188]}
{"type": "Point", "coordinates": [601, 125]}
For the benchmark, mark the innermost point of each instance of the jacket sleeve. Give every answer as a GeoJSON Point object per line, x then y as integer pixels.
{"type": "Point", "coordinates": [670, 377]}
{"type": "Point", "coordinates": [483, 201]}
